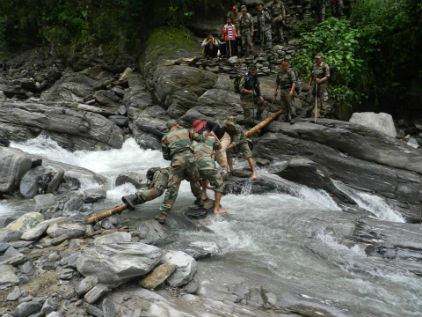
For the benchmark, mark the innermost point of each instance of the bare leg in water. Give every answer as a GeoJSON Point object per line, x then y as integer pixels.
{"type": "Point", "coordinates": [252, 165]}
{"type": "Point", "coordinates": [217, 207]}
{"type": "Point", "coordinates": [204, 190]}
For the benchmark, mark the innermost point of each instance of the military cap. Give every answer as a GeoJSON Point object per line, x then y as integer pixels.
{"type": "Point", "coordinates": [319, 55]}
{"type": "Point", "coordinates": [229, 121]}
{"type": "Point", "coordinates": [171, 123]}
{"type": "Point", "coordinates": [243, 7]}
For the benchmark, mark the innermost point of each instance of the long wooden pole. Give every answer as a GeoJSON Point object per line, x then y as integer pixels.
{"type": "Point", "coordinates": [107, 213]}
{"type": "Point", "coordinates": [264, 123]}
{"type": "Point", "coordinates": [316, 103]}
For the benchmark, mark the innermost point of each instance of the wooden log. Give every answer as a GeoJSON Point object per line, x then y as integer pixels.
{"type": "Point", "coordinates": [106, 213]}
{"type": "Point", "coordinates": [264, 123]}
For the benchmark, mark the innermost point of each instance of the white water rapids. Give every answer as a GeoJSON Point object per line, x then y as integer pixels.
{"type": "Point", "coordinates": [271, 234]}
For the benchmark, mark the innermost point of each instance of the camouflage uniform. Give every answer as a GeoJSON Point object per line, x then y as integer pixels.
{"type": "Point", "coordinates": [157, 185]}
{"type": "Point", "coordinates": [239, 141]}
{"type": "Point", "coordinates": [320, 71]}
{"type": "Point", "coordinates": [285, 81]}
{"type": "Point", "coordinates": [203, 152]}
{"type": "Point", "coordinates": [264, 29]}
{"type": "Point", "coordinates": [177, 147]}
{"type": "Point", "coordinates": [337, 7]}
{"type": "Point", "coordinates": [278, 13]}
{"type": "Point", "coordinates": [248, 101]}
{"type": "Point", "coordinates": [320, 10]}
{"type": "Point", "coordinates": [246, 31]}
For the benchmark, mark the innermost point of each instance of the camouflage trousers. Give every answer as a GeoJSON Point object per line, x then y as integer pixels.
{"type": "Point", "coordinates": [246, 39]}
{"type": "Point", "coordinates": [320, 11]}
{"type": "Point", "coordinates": [183, 166]}
{"type": "Point", "coordinates": [220, 155]}
{"type": "Point", "coordinates": [248, 104]}
{"type": "Point", "coordinates": [286, 102]}
{"type": "Point", "coordinates": [156, 190]}
{"type": "Point", "coordinates": [319, 92]}
{"type": "Point", "coordinates": [215, 178]}
{"type": "Point", "coordinates": [278, 26]}
{"type": "Point", "coordinates": [337, 8]}
{"type": "Point", "coordinates": [266, 39]}
{"type": "Point", "coordinates": [242, 150]}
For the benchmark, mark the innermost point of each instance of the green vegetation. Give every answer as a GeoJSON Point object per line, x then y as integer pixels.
{"type": "Point", "coordinates": [376, 51]}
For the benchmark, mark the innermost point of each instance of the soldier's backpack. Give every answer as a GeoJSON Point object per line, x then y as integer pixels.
{"type": "Point", "coordinates": [237, 79]}
{"type": "Point", "coordinates": [333, 73]}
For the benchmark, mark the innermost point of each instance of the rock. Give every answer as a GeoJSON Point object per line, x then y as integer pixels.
{"type": "Point", "coordinates": [152, 232]}
{"type": "Point", "coordinates": [40, 180]}
{"type": "Point", "coordinates": [3, 247]}
{"type": "Point", "coordinates": [186, 267]}
{"type": "Point", "coordinates": [7, 275]}
{"type": "Point", "coordinates": [192, 287]}
{"type": "Point", "coordinates": [94, 194]}
{"type": "Point", "coordinates": [233, 60]}
{"type": "Point", "coordinates": [7, 235]}
{"type": "Point", "coordinates": [26, 222]}
{"type": "Point", "coordinates": [13, 165]}
{"type": "Point", "coordinates": [116, 263]}
{"type": "Point", "coordinates": [39, 229]}
{"type": "Point", "coordinates": [108, 308]}
{"type": "Point", "coordinates": [70, 230]}
{"type": "Point", "coordinates": [54, 314]}
{"type": "Point", "coordinates": [66, 274]}
{"type": "Point", "coordinates": [96, 293]}
{"type": "Point", "coordinates": [158, 276]}
{"type": "Point", "coordinates": [49, 306]}
{"type": "Point", "coordinates": [26, 309]}
{"type": "Point", "coordinates": [413, 143]}
{"type": "Point", "coordinates": [115, 237]}
{"type": "Point", "coordinates": [45, 201]}
{"type": "Point", "coordinates": [133, 178]}
{"type": "Point", "coordinates": [14, 294]}
{"type": "Point", "coordinates": [382, 122]}
{"type": "Point", "coordinates": [120, 121]}
{"type": "Point", "coordinates": [124, 77]}
{"type": "Point", "coordinates": [201, 249]}
{"type": "Point", "coordinates": [93, 310]}
{"type": "Point", "coordinates": [27, 268]}
{"type": "Point", "coordinates": [86, 285]}
{"type": "Point", "coordinates": [11, 256]}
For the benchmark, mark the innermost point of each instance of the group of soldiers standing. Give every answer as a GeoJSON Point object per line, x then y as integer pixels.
{"type": "Point", "coordinates": [192, 153]}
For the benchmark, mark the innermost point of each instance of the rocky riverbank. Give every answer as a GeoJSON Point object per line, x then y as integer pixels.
{"type": "Point", "coordinates": [53, 264]}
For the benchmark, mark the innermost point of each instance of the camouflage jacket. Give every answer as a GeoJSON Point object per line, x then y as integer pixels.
{"type": "Point", "coordinates": [237, 135]}
{"type": "Point", "coordinates": [264, 21]}
{"type": "Point", "coordinates": [246, 23]}
{"type": "Point", "coordinates": [286, 79]}
{"type": "Point", "coordinates": [320, 71]}
{"type": "Point", "coordinates": [160, 178]}
{"type": "Point", "coordinates": [203, 150]}
{"type": "Point", "coordinates": [176, 141]}
{"type": "Point", "coordinates": [278, 9]}
{"type": "Point", "coordinates": [250, 83]}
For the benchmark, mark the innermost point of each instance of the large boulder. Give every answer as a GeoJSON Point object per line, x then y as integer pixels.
{"type": "Point", "coordinates": [70, 127]}
{"type": "Point", "coordinates": [70, 230]}
{"type": "Point", "coordinates": [13, 165]}
{"type": "Point", "coordinates": [26, 222]}
{"type": "Point", "coordinates": [381, 122]}
{"type": "Point", "coordinates": [116, 263]}
{"type": "Point", "coordinates": [186, 267]}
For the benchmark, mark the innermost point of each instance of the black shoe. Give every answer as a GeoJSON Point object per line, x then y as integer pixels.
{"type": "Point", "coordinates": [131, 200]}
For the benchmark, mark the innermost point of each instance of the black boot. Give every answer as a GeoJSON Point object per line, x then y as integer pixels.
{"type": "Point", "coordinates": [132, 200]}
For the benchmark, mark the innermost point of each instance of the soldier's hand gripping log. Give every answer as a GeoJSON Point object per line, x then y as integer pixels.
{"type": "Point", "coordinates": [106, 213]}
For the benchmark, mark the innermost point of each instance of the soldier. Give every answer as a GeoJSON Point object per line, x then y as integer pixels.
{"type": "Point", "coordinates": [320, 73]}
{"type": "Point", "coordinates": [249, 92]}
{"type": "Point", "coordinates": [235, 15]}
{"type": "Point", "coordinates": [264, 27]}
{"type": "Point", "coordinates": [337, 8]}
{"type": "Point", "coordinates": [238, 145]}
{"type": "Point", "coordinates": [320, 10]}
{"type": "Point", "coordinates": [157, 183]}
{"type": "Point", "coordinates": [177, 147]}
{"type": "Point", "coordinates": [278, 13]}
{"type": "Point", "coordinates": [246, 31]}
{"type": "Point", "coordinates": [286, 80]}
{"type": "Point", "coordinates": [203, 152]}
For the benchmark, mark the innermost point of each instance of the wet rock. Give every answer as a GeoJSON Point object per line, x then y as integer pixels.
{"type": "Point", "coordinates": [116, 263]}
{"type": "Point", "coordinates": [37, 231]}
{"type": "Point", "coordinates": [115, 237]}
{"type": "Point", "coordinates": [158, 276]}
{"type": "Point", "coordinates": [86, 285]}
{"type": "Point", "coordinates": [26, 222]}
{"type": "Point", "coordinates": [45, 201]}
{"type": "Point", "coordinates": [26, 309]}
{"type": "Point", "coordinates": [120, 121]}
{"type": "Point", "coordinates": [7, 235]}
{"type": "Point", "coordinates": [11, 256]}
{"type": "Point", "coordinates": [40, 180]}
{"type": "Point", "coordinates": [133, 178]}
{"type": "Point", "coordinates": [14, 294]}
{"type": "Point", "coordinates": [186, 267]}
{"type": "Point", "coordinates": [96, 293]}
{"type": "Point", "coordinates": [202, 249]}
{"type": "Point", "coordinates": [382, 122]}
{"type": "Point", "coordinates": [413, 143]}
{"type": "Point", "coordinates": [192, 287]}
{"type": "Point", "coordinates": [71, 230]}
{"type": "Point", "coordinates": [151, 232]}
{"type": "Point", "coordinates": [94, 194]}
{"type": "Point", "coordinates": [13, 165]}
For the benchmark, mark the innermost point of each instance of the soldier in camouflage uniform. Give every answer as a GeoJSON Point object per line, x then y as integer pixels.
{"type": "Point", "coordinates": [320, 73]}
{"type": "Point", "coordinates": [278, 13]}
{"type": "Point", "coordinates": [157, 183]}
{"type": "Point", "coordinates": [239, 145]}
{"type": "Point", "coordinates": [264, 27]}
{"type": "Point", "coordinates": [286, 81]}
{"type": "Point", "coordinates": [250, 92]}
{"type": "Point", "coordinates": [203, 152]}
{"type": "Point", "coordinates": [246, 31]}
{"type": "Point", "coordinates": [320, 10]}
{"type": "Point", "coordinates": [337, 8]}
{"type": "Point", "coordinates": [177, 147]}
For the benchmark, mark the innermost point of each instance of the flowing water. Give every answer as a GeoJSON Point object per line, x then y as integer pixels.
{"type": "Point", "coordinates": [289, 238]}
